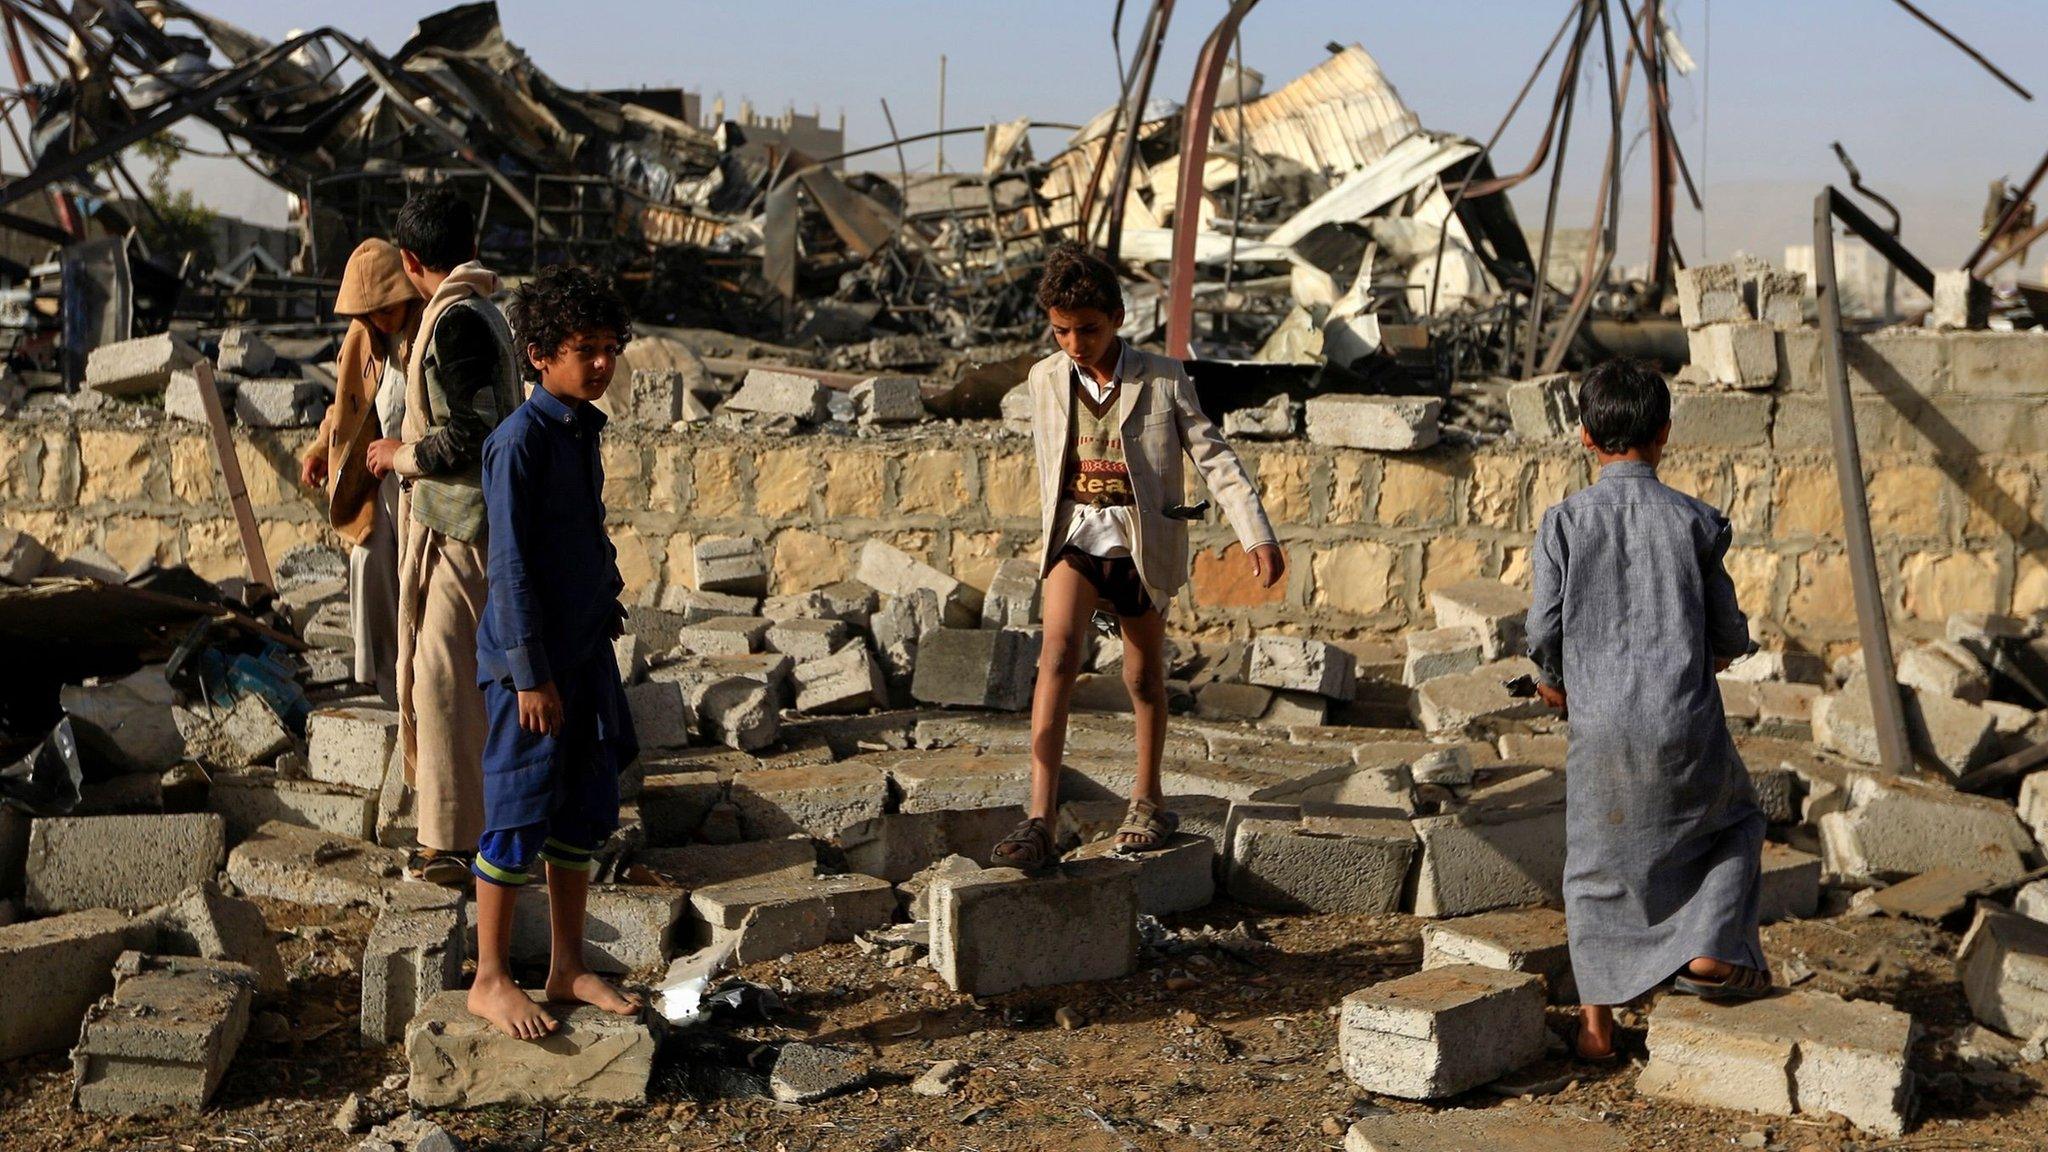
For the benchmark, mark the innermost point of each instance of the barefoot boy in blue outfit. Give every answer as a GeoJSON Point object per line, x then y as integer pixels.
{"type": "Point", "coordinates": [559, 728]}
{"type": "Point", "coordinates": [1633, 614]}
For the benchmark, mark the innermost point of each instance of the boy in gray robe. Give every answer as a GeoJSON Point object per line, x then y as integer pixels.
{"type": "Point", "coordinates": [1633, 615]}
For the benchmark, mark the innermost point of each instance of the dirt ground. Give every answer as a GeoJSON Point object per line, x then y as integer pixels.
{"type": "Point", "coordinates": [1204, 1047]}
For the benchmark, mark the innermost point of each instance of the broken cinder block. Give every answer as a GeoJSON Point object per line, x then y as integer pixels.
{"type": "Point", "coordinates": [1497, 610]}
{"type": "Point", "coordinates": [138, 367]}
{"type": "Point", "coordinates": [163, 1039]}
{"type": "Point", "coordinates": [1736, 354]}
{"type": "Point", "coordinates": [998, 930]}
{"type": "Point", "coordinates": [457, 1060]}
{"type": "Point", "coordinates": [412, 956]}
{"type": "Point", "coordinates": [54, 968]}
{"type": "Point", "coordinates": [1710, 294]}
{"type": "Point", "coordinates": [1380, 423]}
{"type": "Point", "coordinates": [781, 394]}
{"type": "Point", "coordinates": [1544, 408]}
{"type": "Point", "coordinates": [1297, 664]}
{"type": "Point", "coordinates": [2003, 964]}
{"type": "Point", "coordinates": [1318, 858]}
{"type": "Point", "coordinates": [1528, 940]}
{"type": "Point", "coordinates": [893, 572]}
{"type": "Point", "coordinates": [976, 668]}
{"type": "Point", "coordinates": [1440, 1031]}
{"type": "Point", "coordinates": [888, 400]}
{"type": "Point", "coordinates": [766, 917]}
{"type": "Point", "coordinates": [79, 862]}
{"type": "Point", "coordinates": [736, 566]}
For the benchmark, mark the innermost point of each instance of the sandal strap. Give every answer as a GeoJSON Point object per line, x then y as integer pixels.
{"type": "Point", "coordinates": [1032, 834]}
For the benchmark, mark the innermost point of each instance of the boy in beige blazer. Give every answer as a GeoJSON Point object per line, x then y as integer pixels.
{"type": "Point", "coordinates": [1110, 425]}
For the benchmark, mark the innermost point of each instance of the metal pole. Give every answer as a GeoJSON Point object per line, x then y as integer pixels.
{"type": "Point", "coordinates": [1564, 136]}
{"type": "Point", "coordinates": [1871, 621]}
{"type": "Point", "coordinates": [942, 111]}
{"type": "Point", "coordinates": [1194, 156]}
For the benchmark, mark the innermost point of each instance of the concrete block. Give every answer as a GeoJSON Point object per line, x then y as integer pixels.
{"type": "Point", "coordinates": [736, 566]}
{"type": "Point", "coordinates": [1777, 299]}
{"type": "Point", "coordinates": [1178, 876]}
{"type": "Point", "coordinates": [766, 917]}
{"type": "Point", "coordinates": [696, 866]}
{"type": "Point", "coordinates": [897, 628]}
{"type": "Point", "coordinates": [1496, 853]}
{"type": "Point", "coordinates": [163, 1039]}
{"type": "Point", "coordinates": [412, 956]}
{"type": "Point", "coordinates": [817, 800]}
{"type": "Point", "coordinates": [661, 714]}
{"type": "Point", "coordinates": [2032, 901]}
{"type": "Point", "coordinates": [1892, 828]}
{"type": "Point", "coordinates": [1381, 423]}
{"type": "Point", "coordinates": [183, 399]}
{"type": "Point", "coordinates": [1544, 408]}
{"type": "Point", "coordinates": [279, 403]}
{"type": "Point", "coordinates": [805, 639]}
{"type": "Point", "coordinates": [53, 970]}
{"type": "Point", "coordinates": [977, 668]}
{"type": "Point", "coordinates": [1738, 354]}
{"type": "Point", "coordinates": [1712, 418]}
{"type": "Point", "coordinates": [1452, 704]}
{"type": "Point", "coordinates": [22, 556]}
{"type": "Point", "coordinates": [1955, 734]}
{"type": "Point", "coordinates": [889, 400]}
{"type": "Point", "coordinates": [457, 1060]}
{"type": "Point", "coordinates": [245, 352]}
{"type": "Point", "coordinates": [1524, 1129]}
{"type": "Point", "coordinates": [205, 923]}
{"type": "Point", "coordinates": [247, 733]}
{"type": "Point", "coordinates": [138, 367]}
{"type": "Point", "coordinates": [1945, 668]}
{"type": "Point", "coordinates": [1222, 700]}
{"type": "Point", "coordinates": [1960, 299]}
{"type": "Point", "coordinates": [1528, 940]}
{"type": "Point", "coordinates": [1767, 664]}
{"type": "Point", "coordinates": [1319, 858]}
{"type": "Point", "coordinates": [723, 636]}
{"type": "Point", "coordinates": [740, 713]}
{"type": "Point", "coordinates": [2032, 806]}
{"type": "Point", "coordinates": [1786, 710]}
{"type": "Point", "coordinates": [1449, 766]}
{"type": "Point", "coordinates": [1434, 652]}
{"type": "Point", "coordinates": [351, 746]}
{"type": "Point", "coordinates": [84, 862]}
{"type": "Point", "coordinates": [628, 927]}
{"type": "Point", "coordinates": [1778, 793]}
{"type": "Point", "coordinates": [1012, 597]}
{"type": "Point", "coordinates": [1710, 294]}
{"type": "Point", "coordinates": [1438, 1032]}
{"type": "Point", "coordinates": [2003, 964]}
{"type": "Point", "coordinates": [999, 930]}
{"type": "Point", "coordinates": [807, 1073]}
{"type": "Point", "coordinates": [1297, 664]}
{"type": "Point", "coordinates": [673, 804]}
{"type": "Point", "coordinates": [133, 713]}
{"type": "Point", "coordinates": [304, 866]}
{"type": "Point", "coordinates": [894, 572]}
{"type": "Point", "coordinates": [249, 802]}
{"type": "Point", "coordinates": [1798, 1053]}
{"type": "Point", "coordinates": [781, 394]}
{"type": "Point", "coordinates": [849, 680]}
{"type": "Point", "coordinates": [1497, 610]}
{"type": "Point", "coordinates": [1790, 888]}
{"type": "Point", "coordinates": [1277, 419]}
{"type": "Point", "coordinates": [946, 780]}
{"type": "Point", "coordinates": [683, 606]}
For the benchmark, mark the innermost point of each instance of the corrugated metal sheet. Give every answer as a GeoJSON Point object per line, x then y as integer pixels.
{"type": "Point", "coordinates": [1340, 116]}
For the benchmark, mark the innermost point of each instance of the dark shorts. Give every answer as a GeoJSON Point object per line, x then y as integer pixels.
{"type": "Point", "coordinates": [1115, 580]}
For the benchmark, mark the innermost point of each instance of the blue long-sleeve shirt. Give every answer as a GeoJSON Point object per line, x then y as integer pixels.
{"type": "Point", "coordinates": [554, 575]}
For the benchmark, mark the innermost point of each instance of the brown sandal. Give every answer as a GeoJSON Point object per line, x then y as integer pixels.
{"type": "Point", "coordinates": [1147, 821]}
{"type": "Point", "coordinates": [1028, 847]}
{"type": "Point", "coordinates": [1743, 983]}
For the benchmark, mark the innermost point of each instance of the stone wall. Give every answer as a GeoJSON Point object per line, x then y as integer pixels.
{"type": "Point", "coordinates": [1952, 427]}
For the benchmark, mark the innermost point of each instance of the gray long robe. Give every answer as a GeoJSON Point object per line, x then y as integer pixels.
{"type": "Point", "coordinates": [1632, 606]}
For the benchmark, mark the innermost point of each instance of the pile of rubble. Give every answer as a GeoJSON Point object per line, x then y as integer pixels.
{"type": "Point", "coordinates": [832, 767]}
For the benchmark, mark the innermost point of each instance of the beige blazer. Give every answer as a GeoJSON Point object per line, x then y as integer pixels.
{"type": "Point", "coordinates": [1161, 423]}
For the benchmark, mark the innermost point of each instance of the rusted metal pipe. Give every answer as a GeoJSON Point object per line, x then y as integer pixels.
{"type": "Point", "coordinates": [1196, 117]}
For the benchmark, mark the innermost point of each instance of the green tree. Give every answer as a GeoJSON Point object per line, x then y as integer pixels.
{"type": "Point", "coordinates": [180, 223]}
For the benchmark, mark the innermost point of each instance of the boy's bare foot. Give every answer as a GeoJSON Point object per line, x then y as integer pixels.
{"type": "Point", "coordinates": [587, 987]}
{"type": "Point", "coordinates": [1594, 1038]}
{"type": "Point", "coordinates": [509, 1009]}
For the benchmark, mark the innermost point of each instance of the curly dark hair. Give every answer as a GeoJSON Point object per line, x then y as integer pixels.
{"type": "Point", "coordinates": [1075, 277]}
{"type": "Point", "coordinates": [438, 227]}
{"type": "Point", "coordinates": [559, 303]}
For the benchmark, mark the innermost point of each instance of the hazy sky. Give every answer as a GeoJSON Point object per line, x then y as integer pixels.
{"type": "Point", "coordinates": [1778, 81]}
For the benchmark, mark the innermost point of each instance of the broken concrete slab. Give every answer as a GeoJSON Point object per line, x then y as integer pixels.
{"type": "Point", "coordinates": [627, 927]}
{"type": "Point", "coordinates": [1298, 664]}
{"type": "Point", "coordinates": [1454, 704]}
{"type": "Point", "coordinates": [1930, 896]}
{"type": "Point", "coordinates": [412, 956]}
{"type": "Point", "coordinates": [763, 918]}
{"type": "Point", "coordinates": [2003, 964]}
{"type": "Point", "coordinates": [247, 733]}
{"type": "Point", "coordinates": [304, 866]}
{"type": "Point", "coordinates": [279, 403]}
{"type": "Point", "coordinates": [1735, 353]}
{"type": "Point", "coordinates": [695, 866]}
{"type": "Point", "coordinates": [83, 862]}
{"type": "Point", "coordinates": [247, 802]}
{"type": "Point", "coordinates": [457, 1060]}
{"type": "Point", "coordinates": [849, 680]}
{"type": "Point", "coordinates": [1945, 668]}
{"type": "Point", "coordinates": [1178, 876]}
{"type": "Point", "coordinates": [976, 668]}
{"type": "Point", "coordinates": [133, 713]}
{"type": "Point", "coordinates": [805, 639]}
{"type": "Point", "coordinates": [999, 930]}
{"type": "Point", "coordinates": [1440, 1031]}
{"type": "Point", "coordinates": [1012, 597]}
{"type": "Point", "coordinates": [817, 799]}
{"type": "Point", "coordinates": [734, 566]}
{"type": "Point", "coordinates": [140, 366]}
{"type": "Point", "coordinates": [1543, 409]}
{"type": "Point", "coordinates": [893, 572]}
{"type": "Point", "coordinates": [889, 400]}
{"type": "Point", "coordinates": [1497, 610]}
{"type": "Point", "coordinates": [1797, 1053]}
{"type": "Point", "coordinates": [162, 1040]}
{"type": "Point", "coordinates": [53, 970]}
{"type": "Point", "coordinates": [1790, 884]}
{"type": "Point", "coordinates": [1318, 858]}
{"type": "Point", "coordinates": [204, 922]}
{"type": "Point", "coordinates": [1892, 828]}
{"type": "Point", "coordinates": [1528, 940]}
{"type": "Point", "coordinates": [1711, 294]}
{"type": "Point", "coordinates": [1434, 652]}
{"type": "Point", "coordinates": [1380, 423]}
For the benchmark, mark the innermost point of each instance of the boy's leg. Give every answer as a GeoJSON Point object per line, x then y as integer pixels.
{"type": "Point", "coordinates": [500, 866]}
{"type": "Point", "coordinates": [449, 713]}
{"type": "Point", "coordinates": [1145, 678]}
{"type": "Point", "coordinates": [1596, 1032]}
{"type": "Point", "coordinates": [570, 980]}
{"type": "Point", "coordinates": [1069, 606]}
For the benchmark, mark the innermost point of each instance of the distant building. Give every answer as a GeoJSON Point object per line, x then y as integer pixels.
{"type": "Point", "coordinates": [1861, 273]}
{"type": "Point", "coordinates": [792, 129]}
{"type": "Point", "coordinates": [674, 103]}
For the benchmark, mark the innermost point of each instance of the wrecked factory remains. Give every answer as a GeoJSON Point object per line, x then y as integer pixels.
{"type": "Point", "coordinates": [821, 488]}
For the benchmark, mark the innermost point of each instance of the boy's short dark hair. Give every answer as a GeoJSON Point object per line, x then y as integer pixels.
{"type": "Point", "coordinates": [1075, 277]}
{"type": "Point", "coordinates": [562, 301]}
{"type": "Point", "coordinates": [438, 227]}
{"type": "Point", "coordinates": [1623, 404]}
